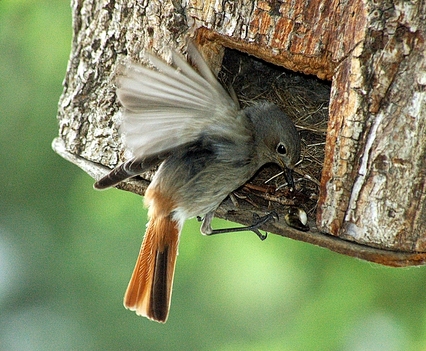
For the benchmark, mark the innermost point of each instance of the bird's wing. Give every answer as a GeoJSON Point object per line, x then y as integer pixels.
{"type": "Point", "coordinates": [174, 105]}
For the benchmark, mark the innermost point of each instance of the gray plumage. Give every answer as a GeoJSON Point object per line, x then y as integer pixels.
{"type": "Point", "coordinates": [173, 111]}
{"type": "Point", "coordinates": [206, 146]}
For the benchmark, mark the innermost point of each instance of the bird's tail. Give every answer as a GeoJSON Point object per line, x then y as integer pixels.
{"type": "Point", "coordinates": [150, 288]}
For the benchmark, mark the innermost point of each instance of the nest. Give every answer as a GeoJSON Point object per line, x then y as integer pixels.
{"type": "Point", "coordinates": [305, 99]}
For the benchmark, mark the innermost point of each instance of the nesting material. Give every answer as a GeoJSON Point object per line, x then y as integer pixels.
{"type": "Point", "coordinates": [305, 99]}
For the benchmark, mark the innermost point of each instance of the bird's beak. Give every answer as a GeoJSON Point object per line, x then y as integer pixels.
{"type": "Point", "coordinates": [288, 173]}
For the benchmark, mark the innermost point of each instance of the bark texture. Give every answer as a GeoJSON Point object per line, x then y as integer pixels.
{"type": "Point", "coordinates": [373, 183]}
{"type": "Point", "coordinates": [372, 202]}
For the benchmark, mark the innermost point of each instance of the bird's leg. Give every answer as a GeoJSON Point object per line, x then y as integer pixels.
{"type": "Point", "coordinates": [207, 229]}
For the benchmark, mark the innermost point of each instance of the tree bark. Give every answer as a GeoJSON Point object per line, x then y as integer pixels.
{"type": "Point", "coordinates": [372, 196]}
{"type": "Point", "coordinates": [373, 181]}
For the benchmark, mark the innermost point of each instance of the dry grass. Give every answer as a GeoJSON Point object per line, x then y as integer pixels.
{"type": "Point", "coordinates": [305, 99]}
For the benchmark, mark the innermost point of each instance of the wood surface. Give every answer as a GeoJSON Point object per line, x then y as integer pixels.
{"type": "Point", "coordinates": [372, 201]}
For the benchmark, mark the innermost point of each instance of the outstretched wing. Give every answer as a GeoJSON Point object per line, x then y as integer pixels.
{"type": "Point", "coordinates": [174, 105]}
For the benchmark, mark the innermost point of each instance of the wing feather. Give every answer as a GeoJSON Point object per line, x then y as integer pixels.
{"type": "Point", "coordinates": [174, 104]}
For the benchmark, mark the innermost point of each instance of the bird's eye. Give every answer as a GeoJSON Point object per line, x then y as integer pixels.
{"type": "Point", "coordinates": [281, 149]}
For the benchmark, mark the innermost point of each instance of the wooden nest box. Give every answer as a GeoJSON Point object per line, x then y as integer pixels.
{"type": "Point", "coordinates": [358, 97]}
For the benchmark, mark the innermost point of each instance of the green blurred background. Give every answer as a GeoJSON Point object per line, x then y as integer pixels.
{"type": "Point", "coordinates": [67, 251]}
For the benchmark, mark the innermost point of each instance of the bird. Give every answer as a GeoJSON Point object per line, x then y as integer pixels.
{"type": "Point", "coordinates": [177, 116]}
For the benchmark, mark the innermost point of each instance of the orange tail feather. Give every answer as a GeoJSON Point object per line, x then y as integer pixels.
{"type": "Point", "coordinates": [150, 288]}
